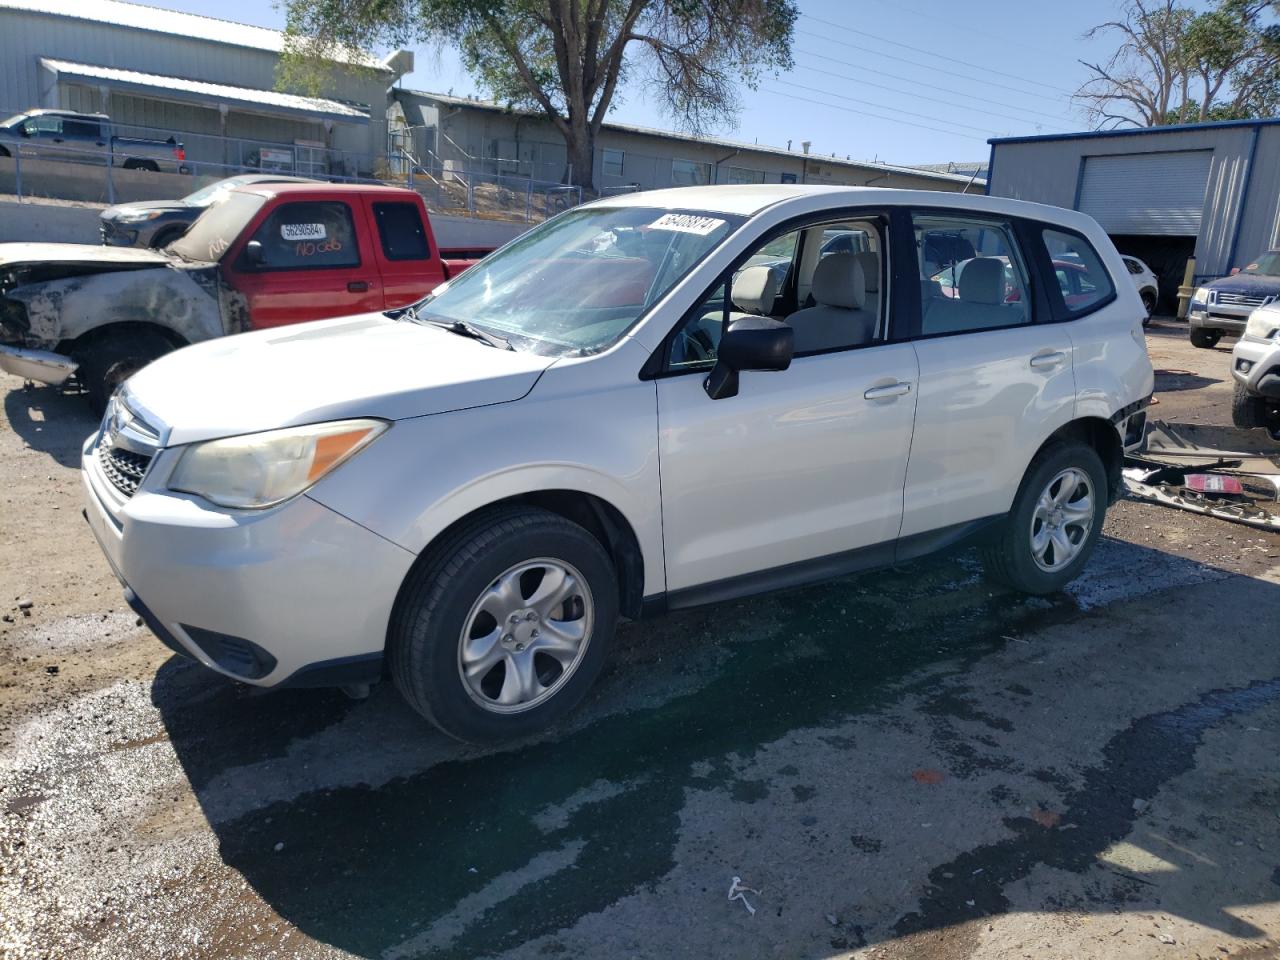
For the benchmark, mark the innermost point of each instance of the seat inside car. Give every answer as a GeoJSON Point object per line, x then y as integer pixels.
{"type": "Point", "coordinates": [839, 317]}
{"type": "Point", "coordinates": [754, 292]}
{"type": "Point", "coordinates": [980, 303]}
{"type": "Point", "coordinates": [869, 260]}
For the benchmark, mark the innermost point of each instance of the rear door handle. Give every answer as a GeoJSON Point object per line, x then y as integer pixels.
{"type": "Point", "coordinates": [358, 286]}
{"type": "Point", "coordinates": [1042, 361]}
{"type": "Point", "coordinates": [888, 391]}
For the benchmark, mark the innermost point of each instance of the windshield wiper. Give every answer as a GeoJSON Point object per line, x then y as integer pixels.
{"type": "Point", "coordinates": [462, 329]}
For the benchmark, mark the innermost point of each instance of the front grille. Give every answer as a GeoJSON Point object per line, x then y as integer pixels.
{"type": "Point", "coordinates": [124, 468]}
{"type": "Point", "coordinates": [1241, 299]}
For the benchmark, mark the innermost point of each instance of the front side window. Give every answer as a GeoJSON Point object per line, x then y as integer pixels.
{"type": "Point", "coordinates": [308, 235]}
{"type": "Point", "coordinates": [611, 162]}
{"type": "Point", "coordinates": [401, 232]}
{"type": "Point", "coordinates": [831, 299]}
{"type": "Point", "coordinates": [690, 173]}
{"type": "Point", "coordinates": [575, 284]}
{"type": "Point", "coordinates": [45, 125]}
{"type": "Point", "coordinates": [972, 275]}
{"type": "Point", "coordinates": [1082, 279]}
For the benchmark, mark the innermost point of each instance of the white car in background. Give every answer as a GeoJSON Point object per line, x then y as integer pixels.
{"type": "Point", "coordinates": [1145, 280]}
{"type": "Point", "coordinates": [617, 415]}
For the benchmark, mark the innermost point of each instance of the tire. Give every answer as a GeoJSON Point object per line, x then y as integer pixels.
{"type": "Point", "coordinates": [1205, 339]}
{"type": "Point", "coordinates": [109, 359]}
{"type": "Point", "coordinates": [166, 237]}
{"type": "Point", "coordinates": [448, 596]}
{"type": "Point", "coordinates": [4, 152]}
{"type": "Point", "coordinates": [1011, 557]}
{"type": "Point", "coordinates": [1248, 412]}
{"type": "Point", "coordinates": [148, 165]}
{"type": "Point", "coordinates": [1149, 302]}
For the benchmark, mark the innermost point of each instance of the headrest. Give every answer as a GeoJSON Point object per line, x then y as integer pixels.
{"type": "Point", "coordinates": [982, 281]}
{"type": "Point", "coordinates": [838, 282]}
{"type": "Point", "coordinates": [870, 263]}
{"type": "Point", "coordinates": [754, 290]}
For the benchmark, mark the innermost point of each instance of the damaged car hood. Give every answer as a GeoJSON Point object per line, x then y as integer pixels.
{"type": "Point", "coordinates": [363, 366]}
{"type": "Point", "coordinates": [12, 254]}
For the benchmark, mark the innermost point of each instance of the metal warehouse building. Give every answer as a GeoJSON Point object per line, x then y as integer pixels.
{"type": "Point", "coordinates": [211, 82]}
{"type": "Point", "coordinates": [1208, 190]}
{"type": "Point", "coordinates": [453, 133]}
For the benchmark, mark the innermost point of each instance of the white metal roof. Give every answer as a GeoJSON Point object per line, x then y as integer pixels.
{"type": "Point", "coordinates": [159, 20]}
{"type": "Point", "coordinates": [816, 158]}
{"type": "Point", "coordinates": [750, 199]}
{"type": "Point", "coordinates": [270, 101]}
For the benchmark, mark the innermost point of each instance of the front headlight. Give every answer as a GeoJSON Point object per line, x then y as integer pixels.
{"type": "Point", "coordinates": [262, 469]}
{"type": "Point", "coordinates": [138, 216]}
{"type": "Point", "coordinates": [1263, 324]}
{"type": "Point", "coordinates": [1202, 295]}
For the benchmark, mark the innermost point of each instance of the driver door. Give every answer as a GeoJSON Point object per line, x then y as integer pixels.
{"type": "Point", "coordinates": [800, 475]}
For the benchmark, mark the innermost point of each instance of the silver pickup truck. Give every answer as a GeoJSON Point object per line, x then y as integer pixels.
{"type": "Point", "coordinates": [87, 138]}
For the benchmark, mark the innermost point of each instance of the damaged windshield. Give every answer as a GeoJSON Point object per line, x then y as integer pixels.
{"type": "Point", "coordinates": [217, 228]}
{"type": "Point", "coordinates": [578, 282]}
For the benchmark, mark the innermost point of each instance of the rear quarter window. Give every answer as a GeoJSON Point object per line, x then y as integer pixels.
{"type": "Point", "coordinates": [1083, 282]}
{"type": "Point", "coordinates": [401, 232]}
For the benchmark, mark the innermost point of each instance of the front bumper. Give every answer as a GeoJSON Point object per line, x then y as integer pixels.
{"type": "Point", "coordinates": [114, 235]}
{"type": "Point", "coordinates": [294, 595]}
{"type": "Point", "coordinates": [1255, 364]}
{"type": "Point", "coordinates": [43, 366]}
{"type": "Point", "coordinates": [1217, 320]}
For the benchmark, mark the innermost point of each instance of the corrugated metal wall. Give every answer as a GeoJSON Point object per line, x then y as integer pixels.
{"type": "Point", "coordinates": [1049, 171]}
{"type": "Point", "coordinates": [25, 37]}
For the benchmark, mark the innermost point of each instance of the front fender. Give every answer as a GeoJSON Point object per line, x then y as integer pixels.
{"type": "Point", "coordinates": [69, 307]}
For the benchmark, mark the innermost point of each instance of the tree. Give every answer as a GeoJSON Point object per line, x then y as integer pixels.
{"type": "Point", "coordinates": [569, 58]}
{"type": "Point", "coordinates": [1179, 65]}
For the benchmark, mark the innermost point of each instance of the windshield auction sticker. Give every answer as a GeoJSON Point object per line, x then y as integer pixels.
{"type": "Point", "coordinates": [302, 231]}
{"type": "Point", "coordinates": [686, 223]}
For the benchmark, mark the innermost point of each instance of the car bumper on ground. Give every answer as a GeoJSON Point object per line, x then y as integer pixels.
{"type": "Point", "coordinates": [1256, 365]}
{"type": "Point", "coordinates": [42, 366]}
{"type": "Point", "coordinates": [296, 595]}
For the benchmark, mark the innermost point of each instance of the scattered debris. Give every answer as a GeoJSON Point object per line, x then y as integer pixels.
{"type": "Point", "coordinates": [924, 775]}
{"type": "Point", "coordinates": [1165, 938]}
{"type": "Point", "coordinates": [738, 891]}
{"type": "Point", "coordinates": [25, 604]}
{"type": "Point", "coordinates": [1046, 818]}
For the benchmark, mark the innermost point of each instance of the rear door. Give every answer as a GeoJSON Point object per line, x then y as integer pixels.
{"type": "Point", "coordinates": [315, 263]}
{"type": "Point", "coordinates": [996, 373]}
{"type": "Point", "coordinates": [409, 265]}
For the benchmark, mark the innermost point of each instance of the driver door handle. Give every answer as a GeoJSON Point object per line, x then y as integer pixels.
{"type": "Point", "coordinates": [358, 286]}
{"type": "Point", "coordinates": [1042, 361]}
{"type": "Point", "coordinates": [888, 391]}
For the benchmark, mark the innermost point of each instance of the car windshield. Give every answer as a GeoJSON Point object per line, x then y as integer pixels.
{"type": "Point", "coordinates": [576, 283]}
{"type": "Point", "coordinates": [1267, 265]}
{"type": "Point", "coordinates": [206, 195]}
{"type": "Point", "coordinates": [217, 228]}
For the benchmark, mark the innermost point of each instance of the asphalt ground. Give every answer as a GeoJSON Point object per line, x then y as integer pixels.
{"type": "Point", "coordinates": [910, 763]}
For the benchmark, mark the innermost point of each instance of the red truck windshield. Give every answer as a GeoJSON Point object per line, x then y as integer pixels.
{"type": "Point", "coordinates": [217, 228]}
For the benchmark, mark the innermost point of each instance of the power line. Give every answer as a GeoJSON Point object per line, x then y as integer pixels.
{"type": "Point", "coordinates": [844, 61]}
{"type": "Point", "coordinates": [933, 18]}
{"type": "Point", "coordinates": [875, 116]}
{"type": "Point", "coordinates": [1004, 114]}
{"type": "Point", "coordinates": [940, 56]}
{"type": "Point", "coordinates": [883, 106]}
{"type": "Point", "coordinates": [914, 63]}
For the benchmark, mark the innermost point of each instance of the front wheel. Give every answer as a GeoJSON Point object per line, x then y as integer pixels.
{"type": "Point", "coordinates": [501, 631]}
{"type": "Point", "coordinates": [1248, 412]}
{"type": "Point", "coordinates": [1205, 339]}
{"type": "Point", "coordinates": [1056, 519]}
{"type": "Point", "coordinates": [1149, 302]}
{"type": "Point", "coordinates": [109, 359]}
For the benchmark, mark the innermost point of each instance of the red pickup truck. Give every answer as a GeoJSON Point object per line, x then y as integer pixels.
{"type": "Point", "coordinates": [266, 255]}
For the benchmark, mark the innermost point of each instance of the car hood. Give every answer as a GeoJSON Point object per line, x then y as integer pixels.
{"type": "Point", "coordinates": [362, 366]}
{"type": "Point", "coordinates": [1246, 283]}
{"type": "Point", "coordinates": [85, 253]}
{"type": "Point", "coordinates": [125, 209]}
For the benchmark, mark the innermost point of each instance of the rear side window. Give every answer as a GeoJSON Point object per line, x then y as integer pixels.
{"type": "Point", "coordinates": [972, 275]}
{"type": "Point", "coordinates": [1133, 267]}
{"type": "Point", "coordinates": [1082, 280]}
{"type": "Point", "coordinates": [308, 235]}
{"type": "Point", "coordinates": [87, 129]}
{"type": "Point", "coordinates": [401, 232]}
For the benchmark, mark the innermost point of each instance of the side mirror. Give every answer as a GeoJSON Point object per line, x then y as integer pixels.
{"type": "Point", "coordinates": [253, 253]}
{"type": "Point", "coordinates": [750, 343]}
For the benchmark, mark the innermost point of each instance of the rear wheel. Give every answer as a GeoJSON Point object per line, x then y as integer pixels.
{"type": "Point", "coordinates": [149, 165]}
{"type": "Point", "coordinates": [107, 360]}
{"type": "Point", "coordinates": [1149, 302]}
{"type": "Point", "coordinates": [502, 630]}
{"type": "Point", "coordinates": [1205, 339]}
{"type": "Point", "coordinates": [1248, 411]}
{"type": "Point", "coordinates": [1056, 518]}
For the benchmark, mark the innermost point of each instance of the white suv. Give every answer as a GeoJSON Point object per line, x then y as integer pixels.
{"type": "Point", "coordinates": [657, 400]}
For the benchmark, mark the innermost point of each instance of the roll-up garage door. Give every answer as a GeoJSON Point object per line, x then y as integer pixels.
{"type": "Point", "coordinates": [1155, 194]}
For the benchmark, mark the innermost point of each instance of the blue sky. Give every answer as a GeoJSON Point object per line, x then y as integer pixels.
{"type": "Point", "coordinates": [918, 81]}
